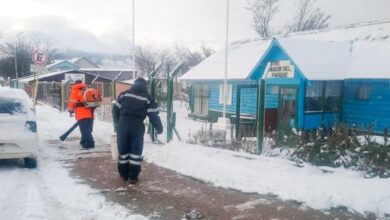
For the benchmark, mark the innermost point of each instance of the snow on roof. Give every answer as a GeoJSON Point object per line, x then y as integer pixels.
{"type": "Point", "coordinates": [324, 60]}
{"type": "Point", "coordinates": [20, 94]}
{"type": "Point", "coordinates": [318, 59]}
{"type": "Point", "coordinates": [243, 56]}
{"type": "Point", "coordinates": [374, 31]}
{"type": "Point", "coordinates": [75, 59]}
{"type": "Point", "coordinates": [106, 69]}
{"type": "Point", "coordinates": [43, 75]}
{"type": "Point", "coordinates": [110, 74]}
{"type": "Point", "coordinates": [56, 62]}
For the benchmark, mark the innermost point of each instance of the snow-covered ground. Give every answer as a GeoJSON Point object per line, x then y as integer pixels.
{"type": "Point", "coordinates": [49, 192]}
{"type": "Point", "coordinates": [318, 187]}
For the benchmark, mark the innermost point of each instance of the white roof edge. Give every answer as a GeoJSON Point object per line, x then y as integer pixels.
{"type": "Point", "coordinates": [105, 69]}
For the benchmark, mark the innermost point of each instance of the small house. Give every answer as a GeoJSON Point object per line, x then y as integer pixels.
{"type": "Point", "coordinates": [207, 81]}
{"type": "Point", "coordinates": [313, 79]}
{"type": "Point", "coordinates": [58, 82]}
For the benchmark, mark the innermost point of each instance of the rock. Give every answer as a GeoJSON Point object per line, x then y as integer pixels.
{"type": "Point", "coordinates": [193, 214]}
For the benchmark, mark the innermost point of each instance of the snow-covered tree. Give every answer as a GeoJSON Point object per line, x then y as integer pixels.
{"type": "Point", "coordinates": [263, 12]}
{"type": "Point", "coordinates": [307, 17]}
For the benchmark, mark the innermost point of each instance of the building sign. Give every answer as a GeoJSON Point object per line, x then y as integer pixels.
{"type": "Point", "coordinates": [279, 69]}
{"type": "Point", "coordinates": [71, 78]}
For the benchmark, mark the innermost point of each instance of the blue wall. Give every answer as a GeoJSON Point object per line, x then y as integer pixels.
{"type": "Point", "coordinates": [276, 53]}
{"type": "Point", "coordinates": [373, 112]}
{"type": "Point", "coordinates": [248, 97]}
{"type": "Point", "coordinates": [317, 120]}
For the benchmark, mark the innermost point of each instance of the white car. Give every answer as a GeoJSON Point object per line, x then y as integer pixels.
{"type": "Point", "coordinates": [18, 127]}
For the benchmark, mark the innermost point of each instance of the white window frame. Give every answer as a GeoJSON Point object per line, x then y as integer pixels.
{"type": "Point", "coordinates": [229, 90]}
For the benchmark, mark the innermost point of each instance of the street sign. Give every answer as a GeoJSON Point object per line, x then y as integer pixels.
{"type": "Point", "coordinates": [39, 57]}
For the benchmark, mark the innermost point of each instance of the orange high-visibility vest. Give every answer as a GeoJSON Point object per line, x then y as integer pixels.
{"type": "Point", "coordinates": [76, 102]}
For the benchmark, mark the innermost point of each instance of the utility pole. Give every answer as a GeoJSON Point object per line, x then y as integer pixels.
{"type": "Point", "coordinates": [226, 60]}
{"type": "Point", "coordinates": [16, 68]}
{"type": "Point", "coordinates": [134, 76]}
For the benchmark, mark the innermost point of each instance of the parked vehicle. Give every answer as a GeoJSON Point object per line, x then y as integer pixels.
{"type": "Point", "coordinates": [18, 127]}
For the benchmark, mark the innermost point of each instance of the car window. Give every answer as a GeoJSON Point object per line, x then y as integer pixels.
{"type": "Point", "coordinates": [11, 106]}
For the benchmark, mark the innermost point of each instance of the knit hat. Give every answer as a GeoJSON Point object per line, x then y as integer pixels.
{"type": "Point", "coordinates": [140, 80]}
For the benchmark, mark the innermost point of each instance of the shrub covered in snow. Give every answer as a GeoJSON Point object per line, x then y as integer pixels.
{"type": "Point", "coordinates": [339, 146]}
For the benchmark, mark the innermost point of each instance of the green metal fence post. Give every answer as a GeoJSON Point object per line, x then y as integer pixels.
{"type": "Point", "coordinates": [170, 125]}
{"type": "Point", "coordinates": [260, 116]}
{"type": "Point", "coordinates": [238, 109]}
{"type": "Point", "coordinates": [152, 85]}
{"type": "Point", "coordinates": [169, 109]}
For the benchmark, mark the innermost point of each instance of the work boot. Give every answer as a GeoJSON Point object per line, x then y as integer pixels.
{"type": "Point", "coordinates": [83, 145]}
{"type": "Point", "coordinates": [133, 181]}
{"type": "Point", "coordinates": [124, 178]}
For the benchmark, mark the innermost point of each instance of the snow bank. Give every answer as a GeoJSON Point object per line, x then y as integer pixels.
{"type": "Point", "coordinates": [319, 187]}
{"type": "Point", "coordinates": [55, 123]}
{"type": "Point", "coordinates": [50, 192]}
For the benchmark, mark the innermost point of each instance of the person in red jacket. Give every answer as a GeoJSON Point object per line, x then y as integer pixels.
{"type": "Point", "coordinates": [83, 114]}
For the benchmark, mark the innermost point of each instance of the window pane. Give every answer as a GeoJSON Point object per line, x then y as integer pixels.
{"type": "Point", "coordinates": [315, 89]}
{"type": "Point", "coordinates": [198, 90]}
{"type": "Point", "coordinates": [107, 89]}
{"type": "Point", "coordinates": [333, 89]}
{"type": "Point", "coordinates": [205, 91]}
{"type": "Point", "coordinates": [333, 100]}
{"type": "Point", "coordinates": [313, 101]}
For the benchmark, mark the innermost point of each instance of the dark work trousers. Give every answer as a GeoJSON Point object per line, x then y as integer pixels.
{"type": "Point", "coordinates": [86, 127]}
{"type": "Point", "coordinates": [130, 139]}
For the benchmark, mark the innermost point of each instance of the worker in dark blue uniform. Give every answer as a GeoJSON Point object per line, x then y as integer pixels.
{"type": "Point", "coordinates": [129, 112]}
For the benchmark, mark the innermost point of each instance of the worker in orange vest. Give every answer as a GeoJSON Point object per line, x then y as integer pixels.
{"type": "Point", "coordinates": [83, 114]}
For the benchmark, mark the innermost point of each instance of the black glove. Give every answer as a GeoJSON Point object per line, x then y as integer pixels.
{"type": "Point", "coordinates": [71, 112]}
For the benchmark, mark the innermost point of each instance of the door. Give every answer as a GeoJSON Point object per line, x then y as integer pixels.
{"type": "Point", "coordinates": [287, 111]}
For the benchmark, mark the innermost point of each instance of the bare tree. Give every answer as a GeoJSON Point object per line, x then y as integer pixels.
{"type": "Point", "coordinates": [187, 57]}
{"type": "Point", "coordinates": [262, 12]}
{"type": "Point", "coordinates": [22, 47]}
{"type": "Point", "coordinates": [146, 59]}
{"type": "Point", "coordinates": [206, 50]}
{"type": "Point", "coordinates": [308, 17]}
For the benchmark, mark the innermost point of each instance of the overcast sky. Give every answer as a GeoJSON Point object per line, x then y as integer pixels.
{"type": "Point", "coordinates": [106, 26]}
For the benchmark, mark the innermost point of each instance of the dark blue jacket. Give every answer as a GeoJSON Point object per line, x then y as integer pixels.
{"type": "Point", "coordinates": [137, 103]}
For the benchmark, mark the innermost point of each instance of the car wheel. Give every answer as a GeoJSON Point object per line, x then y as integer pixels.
{"type": "Point", "coordinates": [30, 162]}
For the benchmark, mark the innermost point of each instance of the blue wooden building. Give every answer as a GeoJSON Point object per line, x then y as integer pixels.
{"type": "Point", "coordinates": [311, 81]}
{"type": "Point", "coordinates": [312, 84]}
{"type": "Point", "coordinates": [207, 79]}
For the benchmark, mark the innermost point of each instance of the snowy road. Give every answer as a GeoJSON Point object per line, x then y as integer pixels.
{"type": "Point", "coordinates": [49, 192]}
